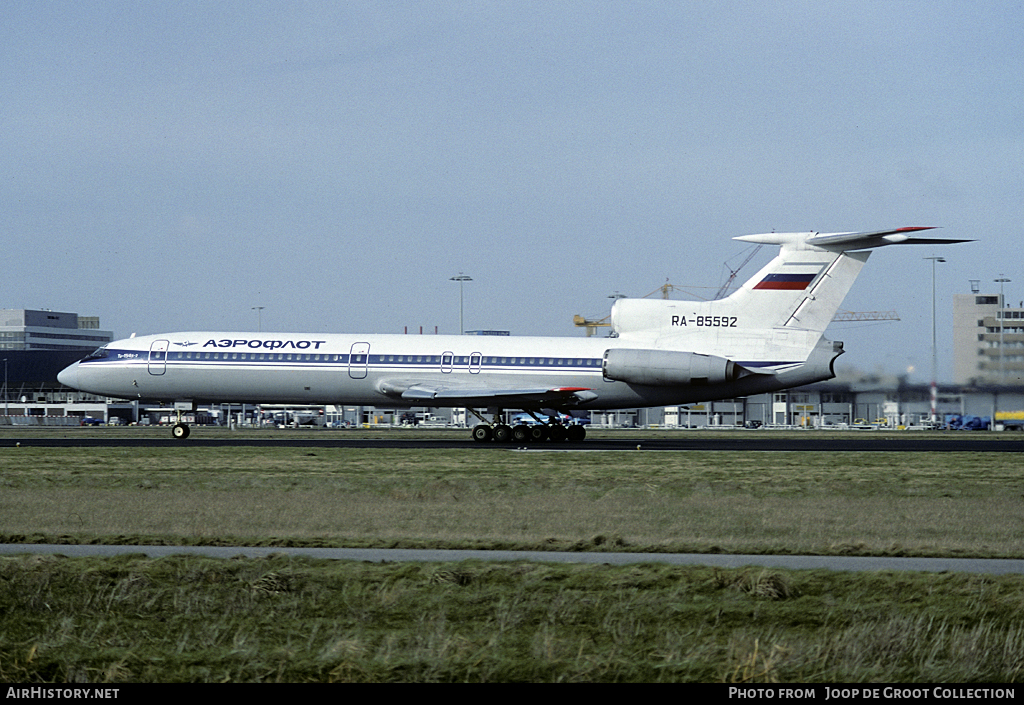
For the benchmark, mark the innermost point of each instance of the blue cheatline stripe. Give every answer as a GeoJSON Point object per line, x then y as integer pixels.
{"type": "Point", "coordinates": [118, 357]}
{"type": "Point", "coordinates": [395, 362]}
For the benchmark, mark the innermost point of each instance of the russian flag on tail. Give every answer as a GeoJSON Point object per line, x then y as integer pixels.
{"type": "Point", "coordinates": [788, 282]}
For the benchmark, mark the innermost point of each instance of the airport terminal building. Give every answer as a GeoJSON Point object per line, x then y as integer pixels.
{"type": "Point", "coordinates": [22, 329]}
{"type": "Point", "coordinates": [34, 347]}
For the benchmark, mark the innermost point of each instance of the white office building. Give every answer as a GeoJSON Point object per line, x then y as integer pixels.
{"type": "Point", "coordinates": [988, 341]}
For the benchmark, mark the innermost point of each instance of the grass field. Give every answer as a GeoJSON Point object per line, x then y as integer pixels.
{"type": "Point", "coordinates": [134, 618]}
{"type": "Point", "coordinates": [933, 504]}
{"type": "Point", "coordinates": [284, 619]}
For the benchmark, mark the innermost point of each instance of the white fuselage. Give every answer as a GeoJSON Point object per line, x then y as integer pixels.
{"type": "Point", "coordinates": [365, 369]}
{"type": "Point", "coordinates": [766, 336]}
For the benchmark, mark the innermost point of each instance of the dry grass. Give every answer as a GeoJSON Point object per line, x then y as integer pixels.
{"type": "Point", "coordinates": [193, 619]}
{"type": "Point", "coordinates": [817, 525]}
{"type": "Point", "coordinates": [132, 618]}
{"type": "Point", "coordinates": [882, 504]}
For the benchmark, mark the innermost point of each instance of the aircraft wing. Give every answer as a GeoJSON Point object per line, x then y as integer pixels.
{"type": "Point", "coordinates": [517, 398]}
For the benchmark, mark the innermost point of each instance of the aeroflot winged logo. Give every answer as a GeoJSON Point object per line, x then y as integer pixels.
{"type": "Point", "coordinates": [265, 344]}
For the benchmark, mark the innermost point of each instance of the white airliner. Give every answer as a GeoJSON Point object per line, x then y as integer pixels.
{"type": "Point", "coordinates": [765, 337]}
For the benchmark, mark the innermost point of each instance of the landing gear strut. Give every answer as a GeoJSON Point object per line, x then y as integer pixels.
{"type": "Point", "coordinates": [498, 432]}
{"type": "Point", "coordinates": [180, 430]}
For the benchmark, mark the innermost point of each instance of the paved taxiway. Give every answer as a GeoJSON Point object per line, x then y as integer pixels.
{"type": "Point", "coordinates": [990, 566]}
{"type": "Point", "coordinates": [857, 442]}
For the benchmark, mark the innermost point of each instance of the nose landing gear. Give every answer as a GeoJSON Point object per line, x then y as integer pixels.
{"type": "Point", "coordinates": [180, 429]}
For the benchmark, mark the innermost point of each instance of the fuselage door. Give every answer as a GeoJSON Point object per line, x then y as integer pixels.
{"type": "Point", "coordinates": [158, 357]}
{"type": "Point", "coordinates": [474, 363]}
{"type": "Point", "coordinates": [358, 360]}
{"type": "Point", "coordinates": [447, 360]}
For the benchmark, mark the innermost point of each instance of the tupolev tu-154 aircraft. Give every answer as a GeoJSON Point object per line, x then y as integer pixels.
{"type": "Point", "coordinates": [766, 336]}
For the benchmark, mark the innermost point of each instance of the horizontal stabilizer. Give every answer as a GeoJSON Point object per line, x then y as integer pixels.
{"type": "Point", "coordinates": [859, 241]}
{"type": "Point", "coordinates": [842, 242]}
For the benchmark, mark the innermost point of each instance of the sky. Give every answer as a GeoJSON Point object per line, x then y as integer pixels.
{"type": "Point", "coordinates": [171, 165]}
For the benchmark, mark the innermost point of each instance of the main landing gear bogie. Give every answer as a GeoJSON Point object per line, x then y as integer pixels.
{"type": "Point", "coordinates": [523, 433]}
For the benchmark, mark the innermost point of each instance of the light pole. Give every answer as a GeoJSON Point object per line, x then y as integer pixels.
{"type": "Point", "coordinates": [461, 279]}
{"type": "Point", "coordinates": [259, 318]}
{"type": "Point", "coordinates": [5, 388]}
{"type": "Point", "coordinates": [935, 355]}
{"type": "Point", "coordinates": [1002, 373]}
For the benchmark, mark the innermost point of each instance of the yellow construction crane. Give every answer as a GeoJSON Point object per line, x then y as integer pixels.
{"type": "Point", "coordinates": [591, 326]}
{"type": "Point", "coordinates": [664, 289]}
{"type": "Point", "coordinates": [668, 287]}
{"type": "Point", "coordinates": [865, 316]}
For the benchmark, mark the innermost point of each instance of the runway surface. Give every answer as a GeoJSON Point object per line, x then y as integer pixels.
{"type": "Point", "coordinates": [989, 566]}
{"type": "Point", "coordinates": [857, 442]}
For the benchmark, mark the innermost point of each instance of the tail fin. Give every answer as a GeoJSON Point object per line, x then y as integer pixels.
{"type": "Point", "coordinates": [802, 288]}
{"type": "Point", "coordinates": [777, 317]}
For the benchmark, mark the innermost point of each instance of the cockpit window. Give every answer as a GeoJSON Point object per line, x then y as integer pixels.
{"type": "Point", "coordinates": [97, 354]}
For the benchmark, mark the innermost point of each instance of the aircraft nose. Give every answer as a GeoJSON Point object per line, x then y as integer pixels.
{"type": "Point", "coordinates": [69, 376]}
